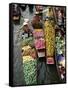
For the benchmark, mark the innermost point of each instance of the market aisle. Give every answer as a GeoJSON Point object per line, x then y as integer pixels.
{"type": "Point", "coordinates": [47, 74]}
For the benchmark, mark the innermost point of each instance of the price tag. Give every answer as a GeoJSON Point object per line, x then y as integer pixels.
{"type": "Point", "coordinates": [50, 60]}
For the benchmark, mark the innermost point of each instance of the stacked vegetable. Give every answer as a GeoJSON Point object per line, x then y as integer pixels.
{"type": "Point", "coordinates": [29, 69]}
{"type": "Point", "coordinates": [29, 61]}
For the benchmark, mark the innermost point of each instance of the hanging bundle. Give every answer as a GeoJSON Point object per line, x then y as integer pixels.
{"type": "Point", "coordinates": [49, 30]}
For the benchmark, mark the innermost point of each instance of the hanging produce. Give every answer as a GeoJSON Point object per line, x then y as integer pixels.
{"type": "Point", "coordinates": [49, 29]}
{"type": "Point", "coordinates": [49, 38]}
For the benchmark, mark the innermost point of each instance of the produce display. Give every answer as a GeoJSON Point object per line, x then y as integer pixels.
{"type": "Point", "coordinates": [49, 29]}
{"type": "Point", "coordinates": [27, 50]}
{"type": "Point", "coordinates": [49, 38]}
{"type": "Point", "coordinates": [60, 53]}
{"type": "Point", "coordinates": [29, 61]}
{"type": "Point", "coordinates": [27, 41]}
{"type": "Point", "coordinates": [39, 42]}
{"type": "Point", "coordinates": [60, 44]}
{"type": "Point", "coordinates": [29, 65]}
{"type": "Point", "coordinates": [29, 69]}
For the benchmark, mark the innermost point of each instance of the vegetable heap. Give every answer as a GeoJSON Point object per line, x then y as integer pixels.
{"type": "Point", "coordinates": [29, 61]}
{"type": "Point", "coordinates": [29, 69]}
